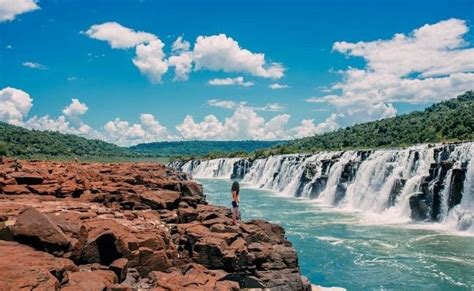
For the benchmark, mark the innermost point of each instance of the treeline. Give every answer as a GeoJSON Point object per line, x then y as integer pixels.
{"type": "Point", "coordinates": [32, 144]}
{"type": "Point", "coordinates": [207, 149]}
{"type": "Point", "coordinates": [447, 121]}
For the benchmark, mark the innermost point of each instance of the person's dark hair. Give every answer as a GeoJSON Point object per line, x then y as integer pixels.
{"type": "Point", "coordinates": [235, 187]}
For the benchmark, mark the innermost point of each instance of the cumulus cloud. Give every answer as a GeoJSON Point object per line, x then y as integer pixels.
{"type": "Point", "coordinates": [9, 9]}
{"type": "Point", "coordinates": [62, 125]}
{"type": "Point", "coordinates": [431, 64]}
{"type": "Point", "coordinates": [75, 109]}
{"type": "Point", "coordinates": [222, 53]}
{"type": "Point", "coordinates": [123, 133]}
{"type": "Point", "coordinates": [14, 105]}
{"type": "Point", "coordinates": [215, 53]}
{"type": "Point", "coordinates": [307, 127]}
{"type": "Point", "coordinates": [276, 86]}
{"type": "Point", "coordinates": [118, 36]}
{"type": "Point", "coordinates": [239, 81]}
{"type": "Point", "coordinates": [150, 60]}
{"type": "Point", "coordinates": [245, 123]}
{"type": "Point", "coordinates": [180, 45]}
{"type": "Point", "coordinates": [183, 64]}
{"type": "Point", "coordinates": [34, 65]}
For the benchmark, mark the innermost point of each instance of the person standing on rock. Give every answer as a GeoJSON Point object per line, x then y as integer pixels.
{"type": "Point", "coordinates": [235, 202]}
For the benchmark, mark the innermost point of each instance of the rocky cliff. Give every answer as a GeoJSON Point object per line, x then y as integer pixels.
{"type": "Point", "coordinates": [87, 226]}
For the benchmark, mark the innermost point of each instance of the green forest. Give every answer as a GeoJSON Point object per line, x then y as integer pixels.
{"type": "Point", "coordinates": [202, 148]}
{"type": "Point", "coordinates": [447, 121]}
{"type": "Point", "coordinates": [33, 144]}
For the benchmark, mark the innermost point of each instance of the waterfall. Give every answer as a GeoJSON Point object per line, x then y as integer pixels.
{"type": "Point", "coordinates": [215, 168]}
{"type": "Point", "coordinates": [422, 183]}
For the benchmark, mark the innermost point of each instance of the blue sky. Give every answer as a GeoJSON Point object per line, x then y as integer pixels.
{"type": "Point", "coordinates": [341, 62]}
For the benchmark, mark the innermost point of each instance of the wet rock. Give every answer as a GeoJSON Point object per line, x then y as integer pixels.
{"type": "Point", "coordinates": [419, 206]}
{"type": "Point", "coordinates": [396, 191]}
{"type": "Point", "coordinates": [456, 186]}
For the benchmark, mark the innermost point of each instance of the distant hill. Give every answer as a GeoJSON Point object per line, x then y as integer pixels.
{"type": "Point", "coordinates": [201, 148]}
{"type": "Point", "coordinates": [24, 143]}
{"type": "Point", "coordinates": [448, 121]}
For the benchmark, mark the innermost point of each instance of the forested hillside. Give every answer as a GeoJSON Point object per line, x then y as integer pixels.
{"type": "Point", "coordinates": [20, 142]}
{"type": "Point", "coordinates": [448, 121]}
{"type": "Point", "coordinates": [202, 148]}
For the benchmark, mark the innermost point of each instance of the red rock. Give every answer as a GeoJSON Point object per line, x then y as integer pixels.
{"type": "Point", "coordinates": [21, 267]}
{"type": "Point", "coordinates": [119, 267]}
{"type": "Point", "coordinates": [44, 189]}
{"type": "Point", "coordinates": [15, 189]}
{"type": "Point", "coordinates": [35, 228]}
{"type": "Point", "coordinates": [27, 178]}
{"type": "Point", "coordinates": [90, 280]}
{"type": "Point", "coordinates": [152, 261]}
{"type": "Point", "coordinates": [164, 199]}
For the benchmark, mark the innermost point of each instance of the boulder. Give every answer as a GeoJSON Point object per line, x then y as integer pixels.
{"type": "Point", "coordinates": [22, 266]}
{"type": "Point", "coordinates": [15, 189]}
{"type": "Point", "coordinates": [164, 199]}
{"type": "Point", "coordinates": [97, 280]}
{"type": "Point", "coordinates": [120, 267]}
{"type": "Point", "coordinates": [44, 189]}
{"type": "Point", "coordinates": [39, 231]}
{"type": "Point", "coordinates": [27, 178]}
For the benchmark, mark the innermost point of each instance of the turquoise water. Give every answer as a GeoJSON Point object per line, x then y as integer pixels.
{"type": "Point", "coordinates": [348, 250]}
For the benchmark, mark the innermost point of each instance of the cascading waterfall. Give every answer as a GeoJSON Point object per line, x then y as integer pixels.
{"type": "Point", "coordinates": [423, 183]}
{"type": "Point", "coordinates": [215, 168]}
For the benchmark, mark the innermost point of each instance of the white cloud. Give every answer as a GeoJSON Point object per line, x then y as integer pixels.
{"type": "Point", "coordinates": [123, 133]}
{"type": "Point", "coordinates": [215, 53]}
{"type": "Point", "coordinates": [9, 9]}
{"type": "Point", "coordinates": [150, 60]}
{"type": "Point", "coordinates": [271, 107]}
{"type": "Point", "coordinates": [14, 105]}
{"type": "Point", "coordinates": [431, 50]}
{"type": "Point", "coordinates": [182, 64]}
{"type": "Point", "coordinates": [34, 65]}
{"type": "Point", "coordinates": [118, 36]}
{"type": "Point", "coordinates": [316, 99]}
{"type": "Point", "coordinates": [239, 81]}
{"type": "Point", "coordinates": [227, 104]}
{"type": "Point", "coordinates": [180, 45]}
{"type": "Point", "coordinates": [72, 78]}
{"type": "Point", "coordinates": [62, 125]}
{"type": "Point", "coordinates": [75, 109]}
{"type": "Point", "coordinates": [222, 53]}
{"type": "Point", "coordinates": [275, 86]}
{"type": "Point", "coordinates": [431, 64]}
{"type": "Point", "coordinates": [307, 127]}
{"type": "Point", "coordinates": [243, 124]}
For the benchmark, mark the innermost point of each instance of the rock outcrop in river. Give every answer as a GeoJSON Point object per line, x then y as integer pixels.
{"type": "Point", "coordinates": [87, 226]}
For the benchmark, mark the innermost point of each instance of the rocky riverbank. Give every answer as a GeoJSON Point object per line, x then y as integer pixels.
{"type": "Point", "coordinates": [90, 226]}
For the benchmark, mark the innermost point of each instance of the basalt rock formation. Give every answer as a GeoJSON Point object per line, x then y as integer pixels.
{"type": "Point", "coordinates": [90, 226]}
